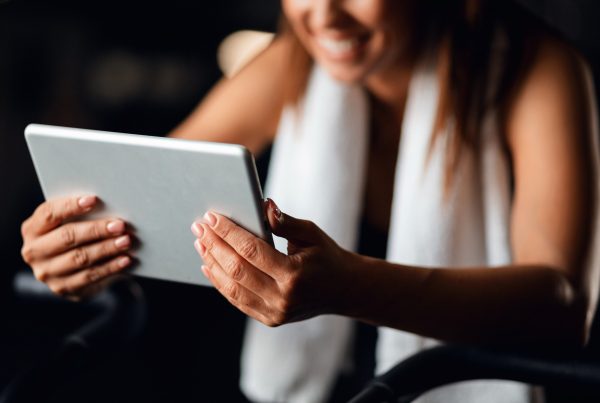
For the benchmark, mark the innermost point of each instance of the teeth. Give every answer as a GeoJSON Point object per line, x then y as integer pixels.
{"type": "Point", "coordinates": [338, 45]}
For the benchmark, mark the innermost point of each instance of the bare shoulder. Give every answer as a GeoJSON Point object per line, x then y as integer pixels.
{"type": "Point", "coordinates": [553, 88]}
{"type": "Point", "coordinates": [559, 66]}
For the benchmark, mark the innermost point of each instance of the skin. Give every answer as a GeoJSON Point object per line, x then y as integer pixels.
{"type": "Point", "coordinates": [73, 259]}
{"type": "Point", "coordinates": [546, 296]}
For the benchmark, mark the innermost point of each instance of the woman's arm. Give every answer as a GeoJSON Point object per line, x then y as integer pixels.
{"type": "Point", "coordinates": [547, 294]}
{"type": "Point", "coordinates": [544, 297]}
{"type": "Point", "coordinates": [244, 109]}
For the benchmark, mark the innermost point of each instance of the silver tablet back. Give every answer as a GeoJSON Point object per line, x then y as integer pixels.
{"type": "Point", "coordinates": [158, 185]}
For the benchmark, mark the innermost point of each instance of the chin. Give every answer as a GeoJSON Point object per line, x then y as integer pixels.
{"type": "Point", "coordinates": [345, 74]}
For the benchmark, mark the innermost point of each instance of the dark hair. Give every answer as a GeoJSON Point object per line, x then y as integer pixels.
{"type": "Point", "coordinates": [462, 33]}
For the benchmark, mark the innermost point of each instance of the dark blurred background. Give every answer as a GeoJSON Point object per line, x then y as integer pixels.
{"type": "Point", "coordinates": [139, 67]}
{"type": "Point", "coordinates": [128, 66]}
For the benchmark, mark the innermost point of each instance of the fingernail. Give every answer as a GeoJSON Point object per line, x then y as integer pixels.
{"type": "Point", "coordinates": [123, 261]}
{"type": "Point", "coordinates": [122, 241]}
{"type": "Point", "coordinates": [115, 227]}
{"type": "Point", "coordinates": [199, 247]}
{"type": "Point", "coordinates": [86, 201]}
{"type": "Point", "coordinates": [276, 210]}
{"type": "Point", "coordinates": [197, 229]}
{"type": "Point", "coordinates": [210, 218]}
{"type": "Point", "coordinates": [204, 270]}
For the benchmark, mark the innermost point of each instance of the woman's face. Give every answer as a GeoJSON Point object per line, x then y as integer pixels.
{"type": "Point", "coordinates": [351, 39]}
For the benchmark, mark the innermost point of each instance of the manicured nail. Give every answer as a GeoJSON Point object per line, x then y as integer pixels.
{"type": "Point", "coordinates": [115, 227]}
{"type": "Point", "coordinates": [276, 210]}
{"type": "Point", "coordinates": [123, 261]}
{"type": "Point", "coordinates": [197, 229]}
{"type": "Point", "coordinates": [86, 201]}
{"type": "Point", "coordinates": [122, 241]}
{"type": "Point", "coordinates": [201, 249]}
{"type": "Point", "coordinates": [204, 270]}
{"type": "Point", "coordinates": [210, 218]}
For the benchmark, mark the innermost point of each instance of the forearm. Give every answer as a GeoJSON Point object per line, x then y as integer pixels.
{"type": "Point", "coordinates": [510, 305]}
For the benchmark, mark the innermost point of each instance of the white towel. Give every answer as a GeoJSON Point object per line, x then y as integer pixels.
{"type": "Point", "coordinates": [318, 171]}
{"type": "Point", "coordinates": [317, 176]}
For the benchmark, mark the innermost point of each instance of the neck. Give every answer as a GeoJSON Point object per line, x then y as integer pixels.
{"type": "Point", "coordinates": [390, 87]}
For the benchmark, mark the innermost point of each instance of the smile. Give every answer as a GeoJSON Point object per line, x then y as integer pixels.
{"type": "Point", "coordinates": [346, 48]}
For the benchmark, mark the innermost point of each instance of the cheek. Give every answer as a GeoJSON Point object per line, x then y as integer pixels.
{"type": "Point", "coordinates": [371, 14]}
{"type": "Point", "coordinates": [296, 13]}
{"type": "Point", "coordinates": [295, 10]}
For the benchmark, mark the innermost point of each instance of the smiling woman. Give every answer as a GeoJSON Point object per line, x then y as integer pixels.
{"type": "Point", "coordinates": [358, 39]}
{"type": "Point", "coordinates": [460, 131]}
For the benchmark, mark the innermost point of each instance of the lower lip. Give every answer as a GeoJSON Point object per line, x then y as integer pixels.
{"type": "Point", "coordinates": [349, 55]}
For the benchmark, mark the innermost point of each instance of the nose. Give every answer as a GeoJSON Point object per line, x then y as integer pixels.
{"type": "Point", "coordinates": [326, 13]}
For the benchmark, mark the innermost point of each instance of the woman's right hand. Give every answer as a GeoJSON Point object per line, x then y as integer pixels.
{"type": "Point", "coordinates": [72, 257]}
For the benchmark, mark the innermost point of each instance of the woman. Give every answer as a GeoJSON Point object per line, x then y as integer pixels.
{"type": "Point", "coordinates": [480, 154]}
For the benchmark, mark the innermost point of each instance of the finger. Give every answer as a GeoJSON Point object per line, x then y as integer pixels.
{"type": "Point", "coordinates": [272, 213]}
{"type": "Point", "coordinates": [236, 267]}
{"type": "Point", "coordinates": [52, 213]}
{"type": "Point", "coordinates": [243, 299]}
{"type": "Point", "coordinates": [76, 283]}
{"type": "Point", "coordinates": [250, 247]}
{"type": "Point", "coordinates": [70, 235]}
{"type": "Point", "coordinates": [84, 256]}
{"type": "Point", "coordinates": [301, 232]}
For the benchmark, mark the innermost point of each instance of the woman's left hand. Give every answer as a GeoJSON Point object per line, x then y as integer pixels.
{"type": "Point", "coordinates": [264, 283]}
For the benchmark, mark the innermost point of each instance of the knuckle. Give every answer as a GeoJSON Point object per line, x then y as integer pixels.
{"type": "Point", "coordinates": [46, 213]}
{"type": "Point", "coordinates": [208, 259]}
{"type": "Point", "coordinates": [235, 269]}
{"type": "Point", "coordinates": [66, 205]}
{"type": "Point", "coordinates": [232, 290]}
{"type": "Point", "coordinates": [80, 257]}
{"type": "Point", "coordinates": [67, 235]}
{"type": "Point", "coordinates": [107, 248]}
{"type": "Point", "coordinates": [223, 230]}
{"type": "Point", "coordinates": [97, 230]}
{"type": "Point", "coordinates": [208, 242]}
{"type": "Point", "coordinates": [95, 274]}
{"type": "Point", "coordinates": [249, 249]}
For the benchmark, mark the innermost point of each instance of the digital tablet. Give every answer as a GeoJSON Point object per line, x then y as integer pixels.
{"type": "Point", "coordinates": [159, 186]}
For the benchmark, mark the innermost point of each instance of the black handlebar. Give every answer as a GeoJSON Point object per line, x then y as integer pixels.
{"type": "Point", "coordinates": [447, 364]}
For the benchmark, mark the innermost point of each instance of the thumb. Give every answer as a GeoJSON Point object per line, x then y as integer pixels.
{"type": "Point", "coordinates": [300, 232]}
